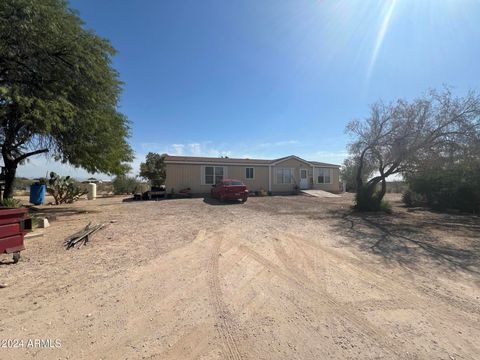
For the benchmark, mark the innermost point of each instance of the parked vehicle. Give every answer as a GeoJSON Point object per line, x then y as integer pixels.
{"type": "Point", "coordinates": [230, 189]}
{"type": "Point", "coordinates": [155, 192]}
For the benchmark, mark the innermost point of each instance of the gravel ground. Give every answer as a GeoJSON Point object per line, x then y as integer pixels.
{"type": "Point", "coordinates": [291, 277]}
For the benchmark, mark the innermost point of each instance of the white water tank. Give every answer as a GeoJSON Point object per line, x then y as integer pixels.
{"type": "Point", "coordinates": [92, 191]}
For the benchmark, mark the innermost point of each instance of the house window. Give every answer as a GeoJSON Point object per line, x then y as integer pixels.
{"type": "Point", "coordinates": [249, 174]}
{"type": "Point", "coordinates": [213, 174]}
{"type": "Point", "coordinates": [324, 176]}
{"type": "Point", "coordinates": [284, 176]}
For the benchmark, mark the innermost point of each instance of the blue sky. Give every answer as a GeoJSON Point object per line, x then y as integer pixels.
{"type": "Point", "coordinates": [272, 78]}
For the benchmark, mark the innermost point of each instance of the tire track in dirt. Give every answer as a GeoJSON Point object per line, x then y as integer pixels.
{"type": "Point", "coordinates": [377, 304]}
{"type": "Point", "coordinates": [316, 262]}
{"type": "Point", "coordinates": [390, 304]}
{"type": "Point", "coordinates": [303, 285]}
{"type": "Point", "coordinates": [225, 325]}
{"type": "Point", "coordinates": [385, 281]}
{"type": "Point", "coordinates": [406, 301]}
{"type": "Point", "coordinates": [347, 311]}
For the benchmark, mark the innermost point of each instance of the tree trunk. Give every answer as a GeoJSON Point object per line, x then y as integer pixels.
{"type": "Point", "coordinates": [382, 191]}
{"type": "Point", "coordinates": [10, 171]}
{"type": "Point", "coordinates": [359, 177]}
{"type": "Point", "coordinates": [376, 197]}
{"type": "Point", "coordinates": [371, 199]}
{"type": "Point", "coordinates": [11, 164]}
{"type": "Point", "coordinates": [371, 191]}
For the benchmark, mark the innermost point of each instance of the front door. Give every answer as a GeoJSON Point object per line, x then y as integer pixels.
{"type": "Point", "coordinates": [303, 178]}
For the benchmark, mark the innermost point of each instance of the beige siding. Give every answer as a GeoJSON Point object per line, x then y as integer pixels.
{"type": "Point", "coordinates": [296, 165]}
{"type": "Point", "coordinates": [293, 164]}
{"type": "Point", "coordinates": [181, 176]}
{"type": "Point", "coordinates": [334, 186]}
{"type": "Point", "coordinates": [260, 176]}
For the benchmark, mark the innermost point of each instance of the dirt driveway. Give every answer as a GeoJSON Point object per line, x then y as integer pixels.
{"type": "Point", "coordinates": [275, 278]}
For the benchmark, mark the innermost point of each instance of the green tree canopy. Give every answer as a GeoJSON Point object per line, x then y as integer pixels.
{"type": "Point", "coordinates": [153, 169]}
{"type": "Point", "coordinates": [58, 90]}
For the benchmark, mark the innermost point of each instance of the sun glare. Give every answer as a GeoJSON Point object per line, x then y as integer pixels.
{"type": "Point", "coordinates": [388, 10]}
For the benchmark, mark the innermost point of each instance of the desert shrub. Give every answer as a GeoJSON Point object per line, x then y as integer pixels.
{"type": "Point", "coordinates": [411, 198]}
{"type": "Point", "coordinates": [467, 198]}
{"type": "Point", "coordinates": [456, 187]}
{"type": "Point", "coordinates": [396, 187]}
{"type": "Point", "coordinates": [126, 185]}
{"type": "Point", "coordinates": [105, 187]}
{"type": "Point", "coordinates": [407, 198]}
{"type": "Point", "coordinates": [364, 201]}
{"type": "Point", "coordinates": [385, 207]}
{"type": "Point", "coordinates": [11, 203]}
{"type": "Point", "coordinates": [21, 183]}
{"type": "Point", "coordinates": [64, 189]}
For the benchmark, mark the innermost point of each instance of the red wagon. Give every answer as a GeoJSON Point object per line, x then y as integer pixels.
{"type": "Point", "coordinates": [12, 227]}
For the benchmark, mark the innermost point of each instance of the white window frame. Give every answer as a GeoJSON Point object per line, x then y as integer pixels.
{"type": "Point", "coordinates": [253, 173]}
{"type": "Point", "coordinates": [319, 171]}
{"type": "Point", "coordinates": [204, 174]}
{"type": "Point", "coordinates": [306, 173]}
{"type": "Point", "coordinates": [277, 170]}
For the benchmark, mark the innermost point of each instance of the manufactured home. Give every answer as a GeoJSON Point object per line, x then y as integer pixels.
{"type": "Point", "coordinates": [277, 176]}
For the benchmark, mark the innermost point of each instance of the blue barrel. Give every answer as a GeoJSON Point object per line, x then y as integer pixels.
{"type": "Point", "coordinates": [37, 194]}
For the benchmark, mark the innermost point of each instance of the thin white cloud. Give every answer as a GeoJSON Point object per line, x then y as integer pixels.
{"type": "Point", "coordinates": [278, 143]}
{"type": "Point", "coordinates": [178, 149]}
{"type": "Point", "coordinates": [203, 148]}
{"type": "Point", "coordinates": [195, 149]}
{"type": "Point", "coordinates": [333, 157]}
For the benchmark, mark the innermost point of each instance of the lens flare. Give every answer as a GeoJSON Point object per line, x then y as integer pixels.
{"type": "Point", "coordinates": [388, 11]}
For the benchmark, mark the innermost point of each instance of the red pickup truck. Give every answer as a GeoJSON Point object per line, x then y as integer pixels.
{"type": "Point", "coordinates": [230, 189]}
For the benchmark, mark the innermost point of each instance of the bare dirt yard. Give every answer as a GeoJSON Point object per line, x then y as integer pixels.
{"type": "Point", "coordinates": [291, 277]}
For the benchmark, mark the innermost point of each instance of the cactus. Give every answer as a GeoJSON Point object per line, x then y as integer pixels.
{"type": "Point", "coordinates": [63, 189]}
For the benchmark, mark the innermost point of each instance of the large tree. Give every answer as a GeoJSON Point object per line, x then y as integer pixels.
{"type": "Point", "coordinates": [349, 170]}
{"type": "Point", "coordinates": [403, 136]}
{"type": "Point", "coordinates": [58, 91]}
{"type": "Point", "coordinates": [153, 169]}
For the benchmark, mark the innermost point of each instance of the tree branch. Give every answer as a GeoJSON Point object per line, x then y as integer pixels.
{"type": "Point", "coordinates": [26, 155]}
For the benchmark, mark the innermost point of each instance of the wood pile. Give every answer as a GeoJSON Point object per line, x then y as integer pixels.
{"type": "Point", "coordinates": [81, 237]}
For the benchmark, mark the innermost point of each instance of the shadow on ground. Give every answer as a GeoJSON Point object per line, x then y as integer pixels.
{"type": "Point", "coordinates": [450, 241]}
{"type": "Point", "coordinates": [53, 212]}
{"type": "Point", "coordinates": [211, 201]}
{"type": "Point", "coordinates": [6, 261]}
